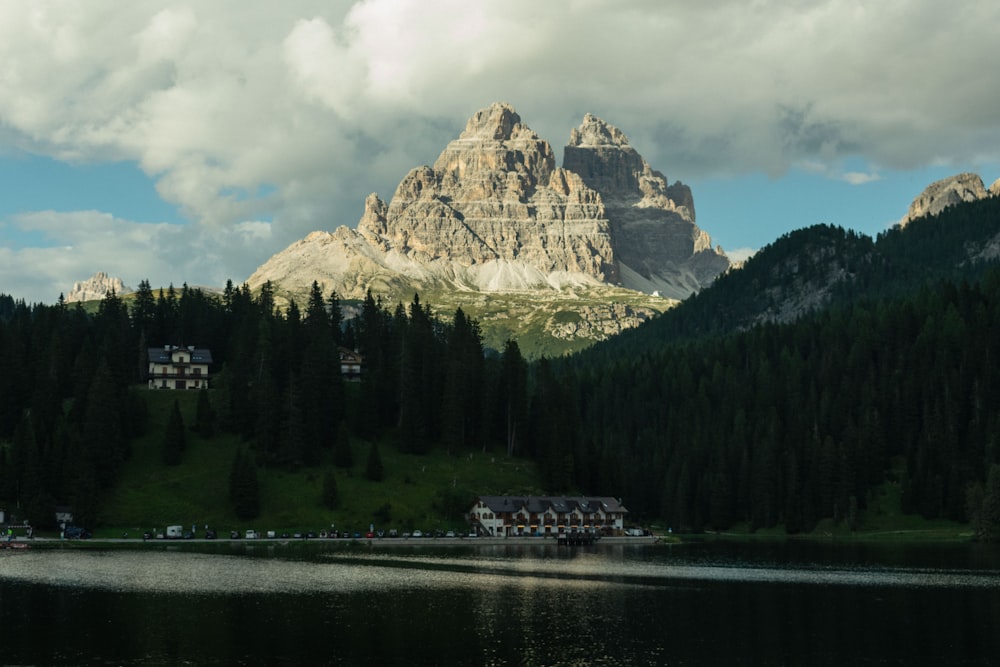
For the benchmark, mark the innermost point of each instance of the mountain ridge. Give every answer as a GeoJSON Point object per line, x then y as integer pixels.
{"type": "Point", "coordinates": [495, 215]}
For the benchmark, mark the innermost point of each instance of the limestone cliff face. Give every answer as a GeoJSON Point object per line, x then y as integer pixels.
{"type": "Point", "coordinates": [657, 244]}
{"type": "Point", "coordinates": [495, 213]}
{"type": "Point", "coordinates": [939, 195]}
{"type": "Point", "coordinates": [495, 194]}
{"type": "Point", "coordinates": [96, 287]}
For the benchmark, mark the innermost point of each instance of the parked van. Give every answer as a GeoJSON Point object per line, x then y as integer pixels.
{"type": "Point", "coordinates": [175, 532]}
{"type": "Point", "coordinates": [252, 534]}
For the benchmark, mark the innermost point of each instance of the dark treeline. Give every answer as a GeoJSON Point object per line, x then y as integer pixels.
{"type": "Point", "coordinates": [789, 424]}
{"type": "Point", "coordinates": [69, 404]}
{"type": "Point", "coordinates": [701, 417]}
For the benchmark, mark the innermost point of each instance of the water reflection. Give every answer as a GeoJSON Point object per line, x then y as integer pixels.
{"type": "Point", "coordinates": [164, 571]}
{"type": "Point", "coordinates": [496, 606]}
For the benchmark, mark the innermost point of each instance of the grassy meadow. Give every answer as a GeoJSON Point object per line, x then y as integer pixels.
{"type": "Point", "coordinates": [416, 492]}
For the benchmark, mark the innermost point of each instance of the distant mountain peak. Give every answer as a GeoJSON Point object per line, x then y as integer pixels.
{"type": "Point", "coordinates": [946, 192]}
{"type": "Point", "coordinates": [96, 288]}
{"type": "Point", "coordinates": [594, 131]}
{"type": "Point", "coordinates": [499, 122]}
{"type": "Point", "coordinates": [494, 214]}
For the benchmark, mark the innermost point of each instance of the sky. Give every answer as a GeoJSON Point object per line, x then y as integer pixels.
{"type": "Point", "coordinates": [187, 142]}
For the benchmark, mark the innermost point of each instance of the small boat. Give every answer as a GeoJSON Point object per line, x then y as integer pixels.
{"type": "Point", "coordinates": [14, 545]}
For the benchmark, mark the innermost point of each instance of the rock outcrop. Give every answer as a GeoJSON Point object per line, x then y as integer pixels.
{"type": "Point", "coordinates": [494, 213]}
{"type": "Point", "coordinates": [494, 195]}
{"type": "Point", "coordinates": [657, 245]}
{"type": "Point", "coordinates": [939, 195]}
{"type": "Point", "coordinates": [96, 288]}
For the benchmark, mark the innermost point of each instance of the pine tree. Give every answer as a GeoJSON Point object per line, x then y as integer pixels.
{"type": "Point", "coordinates": [205, 416]}
{"type": "Point", "coordinates": [373, 469]}
{"type": "Point", "coordinates": [330, 496]}
{"type": "Point", "coordinates": [174, 441]}
{"type": "Point", "coordinates": [989, 516]}
{"type": "Point", "coordinates": [514, 390]}
{"type": "Point", "coordinates": [103, 435]}
{"type": "Point", "coordinates": [343, 456]}
{"type": "Point", "coordinates": [244, 490]}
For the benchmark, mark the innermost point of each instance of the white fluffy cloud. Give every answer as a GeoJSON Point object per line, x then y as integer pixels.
{"type": "Point", "coordinates": [292, 112]}
{"type": "Point", "coordinates": [73, 246]}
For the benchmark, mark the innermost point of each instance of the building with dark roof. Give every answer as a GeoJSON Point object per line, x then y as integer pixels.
{"type": "Point", "coordinates": [351, 363]}
{"type": "Point", "coordinates": [505, 516]}
{"type": "Point", "coordinates": [178, 367]}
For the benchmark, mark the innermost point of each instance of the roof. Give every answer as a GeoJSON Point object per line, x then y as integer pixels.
{"type": "Point", "coordinates": [347, 354]}
{"type": "Point", "coordinates": [163, 355]}
{"type": "Point", "coordinates": [559, 504]}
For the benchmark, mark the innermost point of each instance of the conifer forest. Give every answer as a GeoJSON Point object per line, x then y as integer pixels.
{"type": "Point", "coordinates": [704, 418]}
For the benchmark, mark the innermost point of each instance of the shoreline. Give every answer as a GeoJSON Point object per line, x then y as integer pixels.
{"type": "Point", "coordinates": [53, 542]}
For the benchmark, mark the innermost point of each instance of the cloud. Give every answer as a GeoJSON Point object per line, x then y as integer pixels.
{"type": "Point", "coordinates": [76, 245]}
{"type": "Point", "coordinates": [860, 178]}
{"type": "Point", "coordinates": [292, 112]}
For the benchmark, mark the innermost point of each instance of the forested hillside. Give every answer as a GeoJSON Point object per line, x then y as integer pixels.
{"type": "Point", "coordinates": [813, 268]}
{"type": "Point", "coordinates": [72, 386]}
{"type": "Point", "coordinates": [782, 396]}
{"type": "Point", "coordinates": [735, 407]}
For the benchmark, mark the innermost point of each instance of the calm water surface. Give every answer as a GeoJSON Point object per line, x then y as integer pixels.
{"type": "Point", "coordinates": [692, 604]}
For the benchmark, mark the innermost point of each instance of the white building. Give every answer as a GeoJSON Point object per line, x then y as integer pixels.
{"type": "Point", "coordinates": [503, 516]}
{"type": "Point", "coordinates": [176, 367]}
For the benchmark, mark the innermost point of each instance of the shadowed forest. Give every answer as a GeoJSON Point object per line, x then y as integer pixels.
{"type": "Point", "coordinates": [719, 413]}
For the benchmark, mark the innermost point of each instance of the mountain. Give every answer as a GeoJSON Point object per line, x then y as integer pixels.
{"type": "Point", "coordinates": [603, 242]}
{"type": "Point", "coordinates": [937, 196]}
{"type": "Point", "coordinates": [832, 378]}
{"type": "Point", "coordinates": [813, 269]}
{"type": "Point", "coordinates": [95, 287]}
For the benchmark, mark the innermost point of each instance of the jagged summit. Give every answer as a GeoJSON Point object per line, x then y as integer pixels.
{"type": "Point", "coordinates": [594, 131]}
{"type": "Point", "coordinates": [96, 287]}
{"type": "Point", "coordinates": [494, 213]}
{"type": "Point", "coordinates": [499, 122]}
{"type": "Point", "coordinates": [946, 192]}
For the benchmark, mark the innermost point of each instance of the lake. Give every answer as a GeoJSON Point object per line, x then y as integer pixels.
{"type": "Point", "coordinates": [727, 603]}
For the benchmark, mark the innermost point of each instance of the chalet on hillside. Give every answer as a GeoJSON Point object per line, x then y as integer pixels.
{"type": "Point", "coordinates": [178, 367]}
{"type": "Point", "coordinates": [351, 362]}
{"type": "Point", "coordinates": [509, 516]}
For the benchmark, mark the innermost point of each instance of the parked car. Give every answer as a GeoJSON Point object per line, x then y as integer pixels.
{"type": "Point", "coordinates": [417, 533]}
{"type": "Point", "coordinates": [234, 534]}
{"type": "Point", "coordinates": [450, 533]}
{"type": "Point", "coordinates": [76, 533]}
{"type": "Point", "coordinates": [209, 534]}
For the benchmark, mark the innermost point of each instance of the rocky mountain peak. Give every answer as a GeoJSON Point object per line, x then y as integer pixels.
{"type": "Point", "coordinates": [946, 192]}
{"type": "Point", "coordinates": [594, 131]}
{"type": "Point", "coordinates": [96, 287]}
{"type": "Point", "coordinates": [495, 214]}
{"type": "Point", "coordinates": [498, 122]}
{"type": "Point", "coordinates": [496, 153]}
